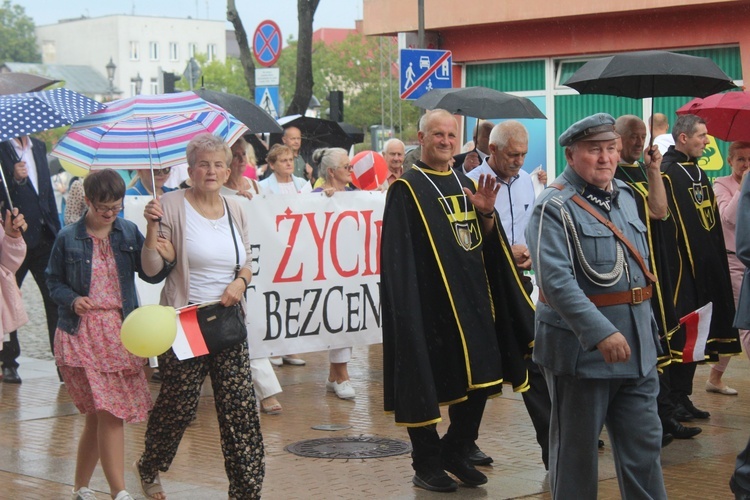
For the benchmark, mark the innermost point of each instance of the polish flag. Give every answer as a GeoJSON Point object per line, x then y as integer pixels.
{"type": "Point", "coordinates": [189, 342]}
{"type": "Point", "coordinates": [696, 325]}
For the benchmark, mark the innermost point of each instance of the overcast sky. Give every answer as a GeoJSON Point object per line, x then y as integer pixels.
{"type": "Point", "coordinates": [330, 13]}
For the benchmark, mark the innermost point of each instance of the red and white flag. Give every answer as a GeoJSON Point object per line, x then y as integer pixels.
{"type": "Point", "coordinates": [189, 342]}
{"type": "Point", "coordinates": [697, 325]}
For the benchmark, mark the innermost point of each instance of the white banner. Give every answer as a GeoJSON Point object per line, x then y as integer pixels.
{"type": "Point", "coordinates": [316, 270]}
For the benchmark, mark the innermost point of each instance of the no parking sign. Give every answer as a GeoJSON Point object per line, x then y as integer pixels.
{"type": "Point", "coordinates": [267, 43]}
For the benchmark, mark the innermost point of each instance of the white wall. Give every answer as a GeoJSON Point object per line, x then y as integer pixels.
{"type": "Point", "coordinates": [92, 41]}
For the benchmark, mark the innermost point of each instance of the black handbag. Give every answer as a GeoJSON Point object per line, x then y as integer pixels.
{"type": "Point", "coordinates": [223, 327]}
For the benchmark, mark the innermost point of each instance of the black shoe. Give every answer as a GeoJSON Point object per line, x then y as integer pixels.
{"type": "Point", "coordinates": [434, 480]}
{"type": "Point", "coordinates": [690, 407]}
{"type": "Point", "coordinates": [600, 444]}
{"type": "Point", "coordinates": [475, 456]}
{"type": "Point", "coordinates": [460, 467]}
{"type": "Point", "coordinates": [10, 376]}
{"type": "Point", "coordinates": [679, 431]}
{"type": "Point", "coordinates": [739, 493]}
{"type": "Point", "coordinates": [666, 439]}
{"type": "Point", "coordinates": [681, 414]}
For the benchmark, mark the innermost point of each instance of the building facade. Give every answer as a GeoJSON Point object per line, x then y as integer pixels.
{"type": "Point", "coordinates": [530, 48]}
{"type": "Point", "coordinates": [139, 46]}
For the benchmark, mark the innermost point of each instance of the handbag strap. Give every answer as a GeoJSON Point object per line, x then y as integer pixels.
{"type": "Point", "coordinates": [236, 250]}
{"type": "Point", "coordinates": [578, 200]}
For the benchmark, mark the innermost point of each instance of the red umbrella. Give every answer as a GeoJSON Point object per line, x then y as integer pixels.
{"type": "Point", "coordinates": [727, 115]}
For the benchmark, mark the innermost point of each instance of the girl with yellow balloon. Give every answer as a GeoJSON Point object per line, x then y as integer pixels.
{"type": "Point", "coordinates": [91, 277]}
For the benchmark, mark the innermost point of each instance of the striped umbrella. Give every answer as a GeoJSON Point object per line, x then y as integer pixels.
{"type": "Point", "coordinates": [145, 131]}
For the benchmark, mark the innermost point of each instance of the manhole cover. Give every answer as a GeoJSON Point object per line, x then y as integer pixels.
{"type": "Point", "coordinates": [331, 427]}
{"type": "Point", "coordinates": [349, 447]}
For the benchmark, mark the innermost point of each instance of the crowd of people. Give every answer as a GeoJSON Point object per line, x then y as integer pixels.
{"type": "Point", "coordinates": [624, 245]}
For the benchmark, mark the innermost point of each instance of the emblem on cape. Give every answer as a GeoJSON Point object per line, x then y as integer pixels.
{"type": "Point", "coordinates": [465, 225]}
{"type": "Point", "coordinates": [698, 193]}
{"type": "Point", "coordinates": [702, 201]}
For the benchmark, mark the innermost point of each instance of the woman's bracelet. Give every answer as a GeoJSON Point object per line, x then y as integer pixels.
{"type": "Point", "coordinates": [487, 215]}
{"type": "Point", "coordinates": [245, 280]}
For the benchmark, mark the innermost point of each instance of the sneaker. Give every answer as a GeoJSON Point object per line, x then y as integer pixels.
{"type": "Point", "coordinates": [434, 480]}
{"type": "Point", "coordinates": [83, 494]}
{"type": "Point", "coordinates": [344, 390]}
{"type": "Point", "coordinates": [277, 361]}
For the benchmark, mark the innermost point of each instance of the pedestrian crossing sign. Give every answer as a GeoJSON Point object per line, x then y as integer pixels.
{"type": "Point", "coordinates": [268, 99]}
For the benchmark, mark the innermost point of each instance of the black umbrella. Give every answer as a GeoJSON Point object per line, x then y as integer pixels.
{"type": "Point", "coordinates": [316, 133]}
{"type": "Point", "coordinates": [245, 110]}
{"type": "Point", "coordinates": [353, 132]}
{"type": "Point", "coordinates": [479, 102]}
{"type": "Point", "coordinates": [650, 73]}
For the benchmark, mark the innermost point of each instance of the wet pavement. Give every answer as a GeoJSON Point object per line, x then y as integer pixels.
{"type": "Point", "coordinates": [39, 428]}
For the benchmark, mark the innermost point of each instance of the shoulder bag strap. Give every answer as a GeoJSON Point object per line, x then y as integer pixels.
{"type": "Point", "coordinates": [578, 200]}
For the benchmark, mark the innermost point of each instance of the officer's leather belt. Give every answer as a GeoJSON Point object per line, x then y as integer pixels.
{"type": "Point", "coordinates": [633, 296]}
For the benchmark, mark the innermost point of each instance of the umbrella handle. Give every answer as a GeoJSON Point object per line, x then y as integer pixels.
{"type": "Point", "coordinates": [7, 191]}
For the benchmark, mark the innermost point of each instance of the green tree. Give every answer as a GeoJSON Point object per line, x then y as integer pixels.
{"type": "Point", "coordinates": [364, 68]}
{"type": "Point", "coordinates": [17, 36]}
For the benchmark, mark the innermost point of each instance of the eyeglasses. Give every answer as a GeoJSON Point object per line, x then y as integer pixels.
{"type": "Point", "coordinates": [348, 167]}
{"type": "Point", "coordinates": [162, 171]}
{"type": "Point", "coordinates": [103, 210]}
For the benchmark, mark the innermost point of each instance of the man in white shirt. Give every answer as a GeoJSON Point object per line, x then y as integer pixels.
{"type": "Point", "coordinates": [508, 146]}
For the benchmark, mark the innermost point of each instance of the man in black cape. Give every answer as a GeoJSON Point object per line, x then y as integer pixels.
{"type": "Point", "coordinates": [698, 268]}
{"type": "Point", "coordinates": [440, 318]}
{"type": "Point", "coordinates": [651, 199]}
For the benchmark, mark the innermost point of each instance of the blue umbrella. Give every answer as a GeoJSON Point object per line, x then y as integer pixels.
{"type": "Point", "coordinates": [24, 114]}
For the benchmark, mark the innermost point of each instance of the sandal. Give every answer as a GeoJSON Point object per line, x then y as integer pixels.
{"type": "Point", "coordinates": [271, 409]}
{"type": "Point", "coordinates": [149, 488]}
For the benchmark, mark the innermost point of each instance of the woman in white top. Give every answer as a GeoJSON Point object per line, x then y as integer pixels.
{"type": "Point", "coordinates": [237, 183]}
{"type": "Point", "coordinates": [281, 161]}
{"type": "Point", "coordinates": [282, 181]}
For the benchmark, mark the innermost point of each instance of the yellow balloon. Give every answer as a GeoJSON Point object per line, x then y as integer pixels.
{"type": "Point", "coordinates": [149, 330]}
{"type": "Point", "coordinates": [74, 169]}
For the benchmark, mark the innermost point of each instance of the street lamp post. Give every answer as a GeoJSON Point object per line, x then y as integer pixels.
{"type": "Point", "coordinates": [138, 81]}
{"type": "Point", "coordinates": [111, 67]}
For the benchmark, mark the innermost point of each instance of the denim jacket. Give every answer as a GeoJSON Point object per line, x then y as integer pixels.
{"type": "Point", "coordinates": [69, 269]}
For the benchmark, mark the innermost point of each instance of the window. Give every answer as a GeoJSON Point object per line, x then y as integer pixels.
{"type": "Point", "coordinates": [174, 51]}
{"type": "Point", "coordinates": [153, 51]}
{"type": "Point", "coordinates": [154, 86]}
{"type": "Point", "coordinates": [133, 88]}
{"type": "Point", "coordinates": [134, 51]}
{"type": "Point", "coordinates": [211, 51]}
{"type": "Point", "coordinates": [192, 49]}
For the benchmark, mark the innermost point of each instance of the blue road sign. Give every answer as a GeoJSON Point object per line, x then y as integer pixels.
{"type": "Point", "coordinates": [268, 99]}
{"type": "Point", "coordinates": [423, 70]}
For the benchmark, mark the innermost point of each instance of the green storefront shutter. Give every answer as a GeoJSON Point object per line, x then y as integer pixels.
{"type": "Point", "coordinates": [507, 77]}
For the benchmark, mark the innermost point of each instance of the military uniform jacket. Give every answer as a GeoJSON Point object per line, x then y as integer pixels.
{"type": "Point", "coordinates": [561, 236]}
